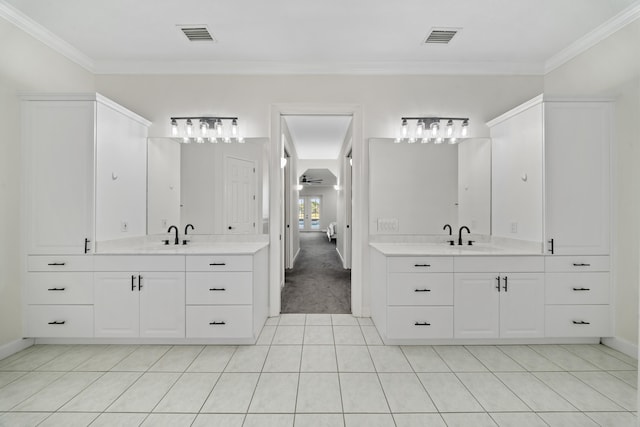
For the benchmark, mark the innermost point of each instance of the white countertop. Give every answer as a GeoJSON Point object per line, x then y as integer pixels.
{"type": "Point", "coordinates": [444, 249]}
{"type": "Point", "coordinates": [155, 246]}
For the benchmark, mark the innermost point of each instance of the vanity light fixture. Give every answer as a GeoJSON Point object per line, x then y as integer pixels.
{"type": "Point", "coordinates": [211, 129]}
{"type": "Point", "coordinates": [430, 129]}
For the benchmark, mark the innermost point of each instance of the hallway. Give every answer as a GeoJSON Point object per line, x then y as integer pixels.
{"type": "Point", "coordinates": [317, 283]}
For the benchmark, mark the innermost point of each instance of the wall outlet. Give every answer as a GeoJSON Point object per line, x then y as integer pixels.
{"type": "Point", "coordinates": [514, 227]}
{"type": "Point", "coordinates": [124, 226]}
{"type": "Point", "coordinates": [163, 223]}
{"type": "Point", "coordinates": [388, 225]}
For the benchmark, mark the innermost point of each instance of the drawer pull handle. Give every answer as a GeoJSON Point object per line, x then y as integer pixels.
{"type": "Point", "coordinates": [581, 289]}
{"type": "Point", "coordinates": [217, 263]}
{"type": "Point", "coordinates": [422, 265]}
{"type": "Point", "coordinates": [422, 324]}
{"type": "Point", "coordinates": [56, 289]}
{"type": "Point", "coordinates": [580, 322]}
{"type": "Point", "coordinates": [133, 284]}
{"type": "Point", "coordinates": [57, 263]}
{"type": "Point", "coordinates": [55, 322]}
{"type": "Point", "coordinates": [217, 289]}
{"type": "Point", "coordinates": [423, 290]}
{"type": "Point", "coordinates": [575, 264]}
{"type": "Point", "coordinates": [218, 323]}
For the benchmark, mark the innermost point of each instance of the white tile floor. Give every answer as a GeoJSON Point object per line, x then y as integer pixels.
{"type": "Point", "coordinates": [318, 370]}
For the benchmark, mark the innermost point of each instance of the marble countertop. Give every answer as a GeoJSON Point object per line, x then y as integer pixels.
{"type": "Point", "coordinates": [444, 249]}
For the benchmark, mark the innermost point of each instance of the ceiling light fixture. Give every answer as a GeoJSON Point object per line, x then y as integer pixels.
{"type": "Point", "coordinates": [435, 133]}
{"type": "Point", "coordinates": [212, 129]}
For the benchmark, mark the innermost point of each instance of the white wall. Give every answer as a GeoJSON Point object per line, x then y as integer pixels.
{"type": "Point", "coordinates": [612, 69]}
{"type": "Point", "coordinates": [413, 184]}
{"type": "Point", "coordinates": [331, 164]}
{"type": "Point", "coordinates": [516, 176]}
{"type": "Point", "coordinates": [26, 65]}
{"type": "Point", "coordinates": [474, 185]}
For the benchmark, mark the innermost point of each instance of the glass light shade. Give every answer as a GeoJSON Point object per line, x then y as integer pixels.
{"type": "Point", "coordinates": [464, 131]}
{"type": "Point", "coordinates": [435, 129]}
{"type": "Point", "coordinates": [174, 127]}
{"type": "Point", "coordinates": [219, 128]}
{"type": "Point", "coordinates": [234, 128]}
{"type": "Point", "coordinates": [449, 128]}
{"type": "Point", "coordinates": [404, 129]}
{"type": "Point", "coordinates": [189, 127]}
{"type": "Point", "coordinates": [419, 129]}
{"type": "Point", "coordinates": [204, 128]}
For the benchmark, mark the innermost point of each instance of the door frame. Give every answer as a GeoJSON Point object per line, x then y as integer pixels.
{"type": "Point", "coordinates": [360, 203]}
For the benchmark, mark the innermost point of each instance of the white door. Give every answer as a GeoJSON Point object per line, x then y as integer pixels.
{"type": "Point", "coordinates": [240, 196]}
{"type": "Point", "coordinates": [59, 158]}
{"type": "Point", "coordinates": [162, 305]}
{"type": "Point", "coordinates": [476, 305]}
{"type": "Point", "coordinates": [309, 213]}
{"type": "Point", "coordinates": [522, 305]}
{"type": "Point", "coordinates": [116, 305]}
{"type": "Point", "coordinates": [577, 139]}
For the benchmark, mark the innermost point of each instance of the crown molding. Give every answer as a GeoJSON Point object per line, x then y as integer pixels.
{"type": "Point", "coordinates": [315, 68]}
{"type": "Point", "coordinates": [37, 31]}
{"type": "Point", "coordinates": [594, 37]}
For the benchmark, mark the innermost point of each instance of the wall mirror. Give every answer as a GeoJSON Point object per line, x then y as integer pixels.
{"type": "Point", "coordinates": [417, 188]}
{"type": "Point", "coordinates": [218, 188]}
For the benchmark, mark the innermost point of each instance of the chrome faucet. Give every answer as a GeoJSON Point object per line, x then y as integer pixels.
{"type": "Point", "coordinates": [177, 240]}
{"type": "Point", "coordinates": [464, 227]}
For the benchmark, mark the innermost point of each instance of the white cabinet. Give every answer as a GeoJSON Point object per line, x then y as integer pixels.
{"type": "Point", "coordinates": [62, 136]}
{"type": "Point", "coordinates": [577, 296]}
{"type": "Point", "coordinates": [148, 304]}
{"type": "Point", "coordinates": [577, 177]}
{"type": "Point", "coordinates": [59, 296]}
{"type": "Point", "coordinates": [507, 304]}
{"type": "Point", "coordinates": [58, 156]}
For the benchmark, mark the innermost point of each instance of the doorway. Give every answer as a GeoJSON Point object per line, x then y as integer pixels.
{"type": "Point", "coordinates": [309, 213]}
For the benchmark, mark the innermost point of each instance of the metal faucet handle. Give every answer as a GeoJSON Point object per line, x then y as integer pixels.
{"type": "Point", "coordinates": [185, 241]}
{"type": "Point", "coordinates": [470, 243]}
{"type": "Point", "coordinates": [165, 242]}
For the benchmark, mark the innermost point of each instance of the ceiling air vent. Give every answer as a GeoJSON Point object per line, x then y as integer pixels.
{"type": "Point", "coordinates": [441, 35]}
{"type": "Point", "coordinates": [197, 33]}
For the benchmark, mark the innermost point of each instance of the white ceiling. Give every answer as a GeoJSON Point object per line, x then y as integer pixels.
{"type": "Point", "coordinates": [329, 36]}
{"type": "Point", "coordinates": [327, 178]}
{"type": "Point", "coordinates": [319, 136]}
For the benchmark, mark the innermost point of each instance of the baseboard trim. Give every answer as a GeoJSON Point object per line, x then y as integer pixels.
{"type": "Point", "coordinates": [341, 259]}
{"type": "Point", "coordinates": [13, 347]}
{"type": "Point", "coordinates": [295, 258]}
{"type": "Point", "coordinates": [623, 346]}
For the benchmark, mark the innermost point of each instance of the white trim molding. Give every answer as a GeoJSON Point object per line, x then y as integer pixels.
{"type": "Point", "coordinates": [593, 37]}
{"type": "Point", "coordinates": [37, 31]}
{"type": "Point", "coordinates": [13, 347]}
{"type": "Point", "coordinates": [623, 346]}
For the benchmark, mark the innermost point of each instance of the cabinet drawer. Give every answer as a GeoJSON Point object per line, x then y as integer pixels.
{"type": "Point", "coordinates": [577, 288]}
{"type": "Point", "coordinates": [576, 263]}
{"type": "Point", "coordinates": [220, 263]}
{"type": "Point", "coordinates": [499, 264]}
{"type": "Point", "coordinates": [420, 322]}
{"type": "Point", "coordinates": [577, 321]}
{"type": "Point", "coordinates": [219, 321]}
{"type": "Point", "coordinates": [139, 263]}
{"type": "Point", "coordinates": [59, 288]}
{"type": "Point", "coordinates": [420, 264]}
{"type": "Point", "coordinates": [220, 288]}
{"type": "Point", "coordinates": [420, 289]}
{"type": "Point", "coordinates": [60, 263]}
{"type": "Point", "coordinates": [60, 321]}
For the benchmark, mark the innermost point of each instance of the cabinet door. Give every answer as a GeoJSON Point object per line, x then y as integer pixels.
{"type": "Point", "coordinates": [522, 305]}
{"type": "Point", "coordinates": [577, 139]}
{"type": "Point", "coordinates": [59, 163]}
{"type": "Point", "coordinates": [116, 301]}
{"type": "Point", "coordinates": [162, 305]}
{"type": "Point", "coordinates": [476, 301]}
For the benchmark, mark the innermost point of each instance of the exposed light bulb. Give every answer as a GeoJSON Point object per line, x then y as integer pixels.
{"type": "Point", "coordinates": [420, 129]}
{"type": "Point", "coordinates": [453, 140]}
{"type": "Point", "coordinates": [234, 128]}
{"type": "Point", "coordinates": [464, 131]}
{"type": "Point", "coordinates": [438, 140]}
{"type": "Point", "coordinates": [411, 141]}
{"type": "Point", "coordinates": [189, 127]}
{"type": "Point", "coordinates": [449, 128]}
{"type": "Point", "coordinates": [185, 140]}
{"type": "Point", "coordinates": [227, 140]}
{"type": "Point", "coordinates": [213, 140]}
{"type": "Point", "coordinates": [200, 140]}
{"type": "Point", "coordinates": [435, 128]}
{"type": "Point", "coordinates": [204, 127]}
{"type": "Point", "coordinates": [405, 128]}
{"type": "Point", "coordinates": [424, 140]}
{"type": "Point", "coordinates": [174, 127]}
